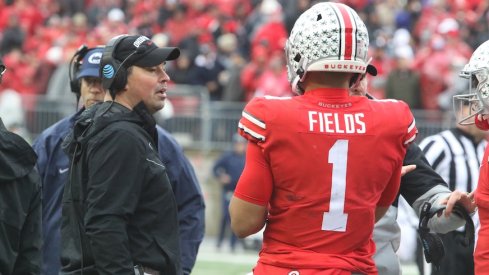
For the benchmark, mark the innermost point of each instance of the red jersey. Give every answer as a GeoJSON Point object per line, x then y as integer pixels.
{"type": "Point", "coordinates": [327, 160]}
{"type": "Point", "coordinates": [481, 254]}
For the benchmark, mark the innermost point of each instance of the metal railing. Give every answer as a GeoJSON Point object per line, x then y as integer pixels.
{"type": "Point", "coordinates": [197, 123]}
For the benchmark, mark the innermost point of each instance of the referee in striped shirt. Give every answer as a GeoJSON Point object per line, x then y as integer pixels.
{"type": "Point", "coordinates": [456, 154]}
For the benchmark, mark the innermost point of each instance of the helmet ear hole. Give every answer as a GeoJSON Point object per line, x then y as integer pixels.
{"type": "Point", "coordinates": [297, 58]}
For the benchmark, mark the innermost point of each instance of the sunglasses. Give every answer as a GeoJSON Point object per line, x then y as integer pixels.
{"type": "Point", "coordinates": [3, 69]}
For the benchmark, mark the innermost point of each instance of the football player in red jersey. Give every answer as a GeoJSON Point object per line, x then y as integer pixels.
{"type": "Point", "coordinates": [323, 166]}
{"type": "Point", "coordinates": [477, 72]}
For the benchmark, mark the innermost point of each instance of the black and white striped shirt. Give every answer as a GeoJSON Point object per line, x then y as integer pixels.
{"type": "Point", "coordinates": [456, 157]}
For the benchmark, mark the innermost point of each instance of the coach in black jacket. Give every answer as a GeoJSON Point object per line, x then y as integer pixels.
{"type": "Point", "coordinates": [20, 205]}
{"type": "Point", "coordinates": [119, 214]}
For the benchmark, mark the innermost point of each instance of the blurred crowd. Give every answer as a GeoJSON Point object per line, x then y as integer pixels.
{"type": "Point", "coordinates": [235, 47]}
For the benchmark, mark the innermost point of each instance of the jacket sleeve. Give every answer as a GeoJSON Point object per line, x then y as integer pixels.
{"type": "Point", "coordinates": [425, 185]}
{"type": "Point", "coordinates": [29, 258]}
{"type": "Point", "coordinates": [416, 183]}
{"type": "Point", "coordinates": [186, 188]}
{"type": "Point", "coordinates": [113, 191]}
{"type": "Point", "coordinates": [39, 147]}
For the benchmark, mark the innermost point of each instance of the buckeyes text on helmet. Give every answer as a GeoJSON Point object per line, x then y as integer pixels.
{"type": "Point", "coordinates": [327, 37]}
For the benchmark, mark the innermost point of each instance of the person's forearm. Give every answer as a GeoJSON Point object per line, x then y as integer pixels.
{"type": "Point", "coordinates": [246, 218]}
{"type": "Point", "coordinates": [439, 224]}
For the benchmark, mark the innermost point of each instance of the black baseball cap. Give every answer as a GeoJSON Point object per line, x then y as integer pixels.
{"type": "Point", "coordinates": [143, 52]}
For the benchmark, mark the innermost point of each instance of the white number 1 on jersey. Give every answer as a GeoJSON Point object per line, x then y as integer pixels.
{"type": "Point", "coordinates": [335, 219]}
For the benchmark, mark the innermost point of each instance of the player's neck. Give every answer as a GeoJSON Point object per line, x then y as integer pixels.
{"type": "Point", "coordinates": [318, 80]}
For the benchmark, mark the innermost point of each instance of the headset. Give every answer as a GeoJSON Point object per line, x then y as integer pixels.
{"type": "Point", "coordinates": [113, 71]}
{"type": "Point", "coordinates": [75, 64]}
{"type": "Point", "coordinates": [432, 244]}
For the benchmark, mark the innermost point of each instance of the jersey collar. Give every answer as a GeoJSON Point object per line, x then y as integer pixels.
{"type": "Point", "coordinates": [334, 93]}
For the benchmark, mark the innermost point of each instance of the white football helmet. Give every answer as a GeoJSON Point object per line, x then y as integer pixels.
{"type": "Point", "coordinates": [477, 98]}
{"type": "Point", "coordinates": [327, 37]}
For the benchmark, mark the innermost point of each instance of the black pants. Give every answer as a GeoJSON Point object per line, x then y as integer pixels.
{"type": "Point", "coordinates": [458, 258]}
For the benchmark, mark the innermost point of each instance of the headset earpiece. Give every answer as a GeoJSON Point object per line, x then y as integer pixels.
{"type": "Point", "coordinates": [433, 247]}
{"type": "Point", "coordinates": [113, 71]}
{"type": "Point", "coordinates": [432, 244]}
{"type": "Point", "coordinates": [110, 67]}
{"type": "Point", "coordinates": [74, 67]}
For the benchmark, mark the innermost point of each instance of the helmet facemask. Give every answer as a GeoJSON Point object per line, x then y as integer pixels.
{"type": "Point", "coordinates": [476, 71]}
{"type": "Point", "coordinates": [477, 98]}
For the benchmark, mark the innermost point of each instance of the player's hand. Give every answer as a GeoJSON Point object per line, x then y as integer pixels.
{"type": "Point", "coordinates": [463, 198]}
{"type": "Point", "coordinates": [407, 168]}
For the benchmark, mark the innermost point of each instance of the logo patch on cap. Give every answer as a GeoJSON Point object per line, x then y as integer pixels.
{"type": "Point", "coordinates": [108, 71]}
{"type": "Point", "coordinates": [140, 41]}
{"type": "Point", "coordinates": [95, 58]}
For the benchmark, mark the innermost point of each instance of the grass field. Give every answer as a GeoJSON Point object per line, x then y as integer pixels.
{"type": "Point", "coordinates": [223, 262]}
{"type": "Point", "coordinates": [211, 261]}
{"type": "Point", "coordinates": [220, 268]}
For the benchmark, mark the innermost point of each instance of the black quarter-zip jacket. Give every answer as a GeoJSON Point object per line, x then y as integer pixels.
{"type": "Point", "coordinates": [118, 206]}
